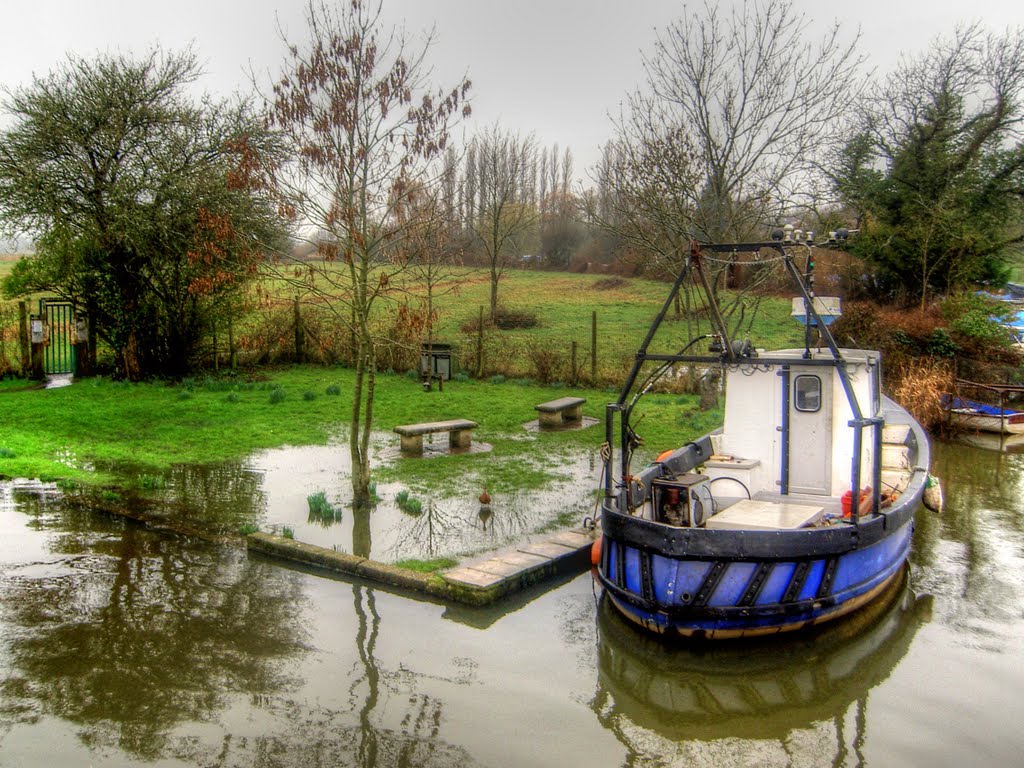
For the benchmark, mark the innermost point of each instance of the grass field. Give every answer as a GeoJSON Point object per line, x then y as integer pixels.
{"type": "Point", "coordinates": [82, 433]}
{"type": "Point", "coordinates": [563, 305]}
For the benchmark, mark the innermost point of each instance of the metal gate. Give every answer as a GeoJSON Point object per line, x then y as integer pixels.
{"type": "Point", "coordinates": [59, 329]}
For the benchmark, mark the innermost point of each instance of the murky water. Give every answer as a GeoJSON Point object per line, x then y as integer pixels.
{"type": "Point", "coordinates": [125, 645]}
{"type": "Point", "coordinates": [271, 490]}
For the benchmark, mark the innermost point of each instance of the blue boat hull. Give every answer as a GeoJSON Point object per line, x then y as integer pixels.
{"type": "Point", "coordinates": [749, 583]}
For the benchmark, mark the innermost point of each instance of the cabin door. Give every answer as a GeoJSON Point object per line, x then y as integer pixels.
{"type": "Point", "coordinates": [810, 430]}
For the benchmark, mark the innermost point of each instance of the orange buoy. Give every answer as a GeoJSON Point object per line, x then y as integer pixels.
{"type": "Point", "coordinates": [664, 455]}
{"type": "Point", "coordinates": [595, 551]}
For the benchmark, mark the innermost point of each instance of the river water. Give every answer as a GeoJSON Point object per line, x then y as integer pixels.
{"type": "Point", "coordinates": [121, 644]}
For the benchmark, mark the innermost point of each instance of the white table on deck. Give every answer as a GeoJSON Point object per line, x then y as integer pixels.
{"type": "Point", "coordinates": [755, 515]}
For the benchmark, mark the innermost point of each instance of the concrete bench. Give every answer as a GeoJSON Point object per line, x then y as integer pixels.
{"type": "Point", "coordinates": [459, 433]}
{"type": "Point", "coordinates": [560, 411]}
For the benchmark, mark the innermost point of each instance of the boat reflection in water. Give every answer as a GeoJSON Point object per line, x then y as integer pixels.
{"type": "Point", "coordinates": [750, 689]}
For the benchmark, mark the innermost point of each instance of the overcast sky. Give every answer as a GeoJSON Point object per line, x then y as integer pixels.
{"type": "Point", "coordinates": [554, 68]}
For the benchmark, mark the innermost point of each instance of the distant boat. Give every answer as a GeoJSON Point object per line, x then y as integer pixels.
{"type": "Point", "coordinates": [972, 416]}
{"type": "Point", "coordinates": [778, 520]}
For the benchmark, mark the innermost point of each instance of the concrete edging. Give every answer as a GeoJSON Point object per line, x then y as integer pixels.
{"type": "Point", "coordinates": [480, 581]}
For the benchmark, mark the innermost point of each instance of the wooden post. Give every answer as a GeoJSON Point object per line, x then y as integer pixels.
{"type": "Point", "coordinates": [232, 352]}
{"type": "Point", "coordinates": [593, 348]}
{"type": "Point", "coordinates": [37, 336]}
{"type": "Point", "coordinates": [216, 361]}
{"type": "Point", "coordinates": [300, 351]}
{"type": "Point", "coordinates": [480, 345]}
{"type": "Point", "coordinates": [26, 348]}
{"type": "Point", "coordinates": [83, 357]}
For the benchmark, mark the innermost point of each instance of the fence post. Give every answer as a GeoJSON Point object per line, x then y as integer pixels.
{"type": "Point", "coordinates": [232, 352]}
{"type": "Point", "coordinates": [26, 349]}
{"type": "Point", "coordinates": [593, 348]}
{"type": "Point", "coordinates": [216, 356]}
{"type": "Point", "coordinates": [300, 351]}
{"type": "Point", "coordinates": [83, 356]}
{"type": "Point", "coordinates": [480, 345]}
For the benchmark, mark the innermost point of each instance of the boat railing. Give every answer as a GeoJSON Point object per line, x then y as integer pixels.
{"type": "Point", "coordinates": [733, 353]}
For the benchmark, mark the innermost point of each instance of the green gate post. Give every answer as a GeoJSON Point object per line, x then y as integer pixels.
{"type": "Point", "coordinates": [37, 336]}
{"type": "Point", "coordinates": [83, 359]}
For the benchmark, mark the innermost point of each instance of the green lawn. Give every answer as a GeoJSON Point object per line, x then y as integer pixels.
{"type": "Point", "coordinates": [78, 432]}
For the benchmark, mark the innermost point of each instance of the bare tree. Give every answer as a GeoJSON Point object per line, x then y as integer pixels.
{"type": "Point", "coordinates": [432, 249]}
{"type": "Point", "coordinates": [727, 136]}
{"type": "Point", "coordinates": [505, 220]}
{"type": "Point", "coordinates": [366, 127]}
{"type": "Point", "coordinates": [738, 109]}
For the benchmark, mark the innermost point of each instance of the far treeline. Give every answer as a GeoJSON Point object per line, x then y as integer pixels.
{"type": "Point", "coordinates": [166, 219]}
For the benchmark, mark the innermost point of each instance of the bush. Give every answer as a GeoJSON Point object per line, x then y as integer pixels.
{"type": "Point", "coordinates": [918, 387]}
{"type": "Point", "coordinates": [547, 363]}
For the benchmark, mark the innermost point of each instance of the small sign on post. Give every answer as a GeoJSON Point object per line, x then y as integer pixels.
{"type": "Point", "coordinates": [36, 329]}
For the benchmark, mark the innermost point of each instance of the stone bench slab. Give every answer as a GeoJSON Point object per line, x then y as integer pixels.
{"type": "Point", "coordinates": [453, 425]}
{"type": "Point", "coordinates": [458, 433]}
{"type": "Point", "coordinates": [561, 404]}
{"type": "Point", "coordinates": [557, 412]}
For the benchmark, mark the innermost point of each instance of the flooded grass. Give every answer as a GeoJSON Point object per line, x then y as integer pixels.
{"type": "Point", "coordinates": [304, 492]}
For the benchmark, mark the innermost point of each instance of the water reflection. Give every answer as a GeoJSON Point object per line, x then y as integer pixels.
{"type": "Point", "coordinates": [159, 647]}
{"type": "Point", "coordinates": [271, 490]}
{"type": "Point", "coordinates": [127, 633]}
{"type": "Point", "coordinates": [758, 690]}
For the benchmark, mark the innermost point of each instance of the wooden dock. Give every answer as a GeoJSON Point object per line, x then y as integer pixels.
{"type": "Point", "coordinates": [480, 581]}
{"type": "Point", "coordinates": [487, 578]}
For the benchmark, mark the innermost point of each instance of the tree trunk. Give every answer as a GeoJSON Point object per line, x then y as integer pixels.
{"type": "Point", "coordinates": [494, 295]}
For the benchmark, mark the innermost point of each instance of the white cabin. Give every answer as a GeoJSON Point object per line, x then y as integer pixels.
{"type": "Point", "coordinates": [809, 404]}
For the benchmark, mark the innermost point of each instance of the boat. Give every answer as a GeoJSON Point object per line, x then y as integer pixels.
{"type": "Point", "coordinates": [969, 415]}
{"type": "Point", "coordinates": [755, 528]}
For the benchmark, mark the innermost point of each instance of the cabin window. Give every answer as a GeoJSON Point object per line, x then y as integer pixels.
{"type": "Point", "coordinates": [807, 393]}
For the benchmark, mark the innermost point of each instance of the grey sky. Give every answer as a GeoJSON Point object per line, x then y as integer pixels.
{"type": "Point", "coordinates": [554, 68]}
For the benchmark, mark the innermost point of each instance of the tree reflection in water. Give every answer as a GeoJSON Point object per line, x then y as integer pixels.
{"type": "Point", "coordinates": [136, 639]}
{"type": "Point", "coordinates": [141, 632]}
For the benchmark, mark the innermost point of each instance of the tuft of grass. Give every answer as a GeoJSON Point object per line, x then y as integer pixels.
{"type": "Point", "coordinates": [185, 394]}
{"type": "Point", "coordinates": [309, 395]}
{"type": "Point", "coordinates": [111, 496]}
{"type": "Point", "coordinates": [277, 396]}
{"type": "Point", "coordinates": [408, 504]}
{"type": "Point", "coordinates": [7, 453]}
{"type": "Point", "coordinates": [246, 528]}
{"type": "Point", "coordinates": [288, 532]}
{"type": "Point", "coordinates": [151, 482]}
{"type": "Point", "coordinates": [333, 389]}
{"type": "Point", "coordinates": [231, 397]}
{"type": "Point", "coordinates": [321, 510]}
{"type": "Point", "coordinates": [427, 566]}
